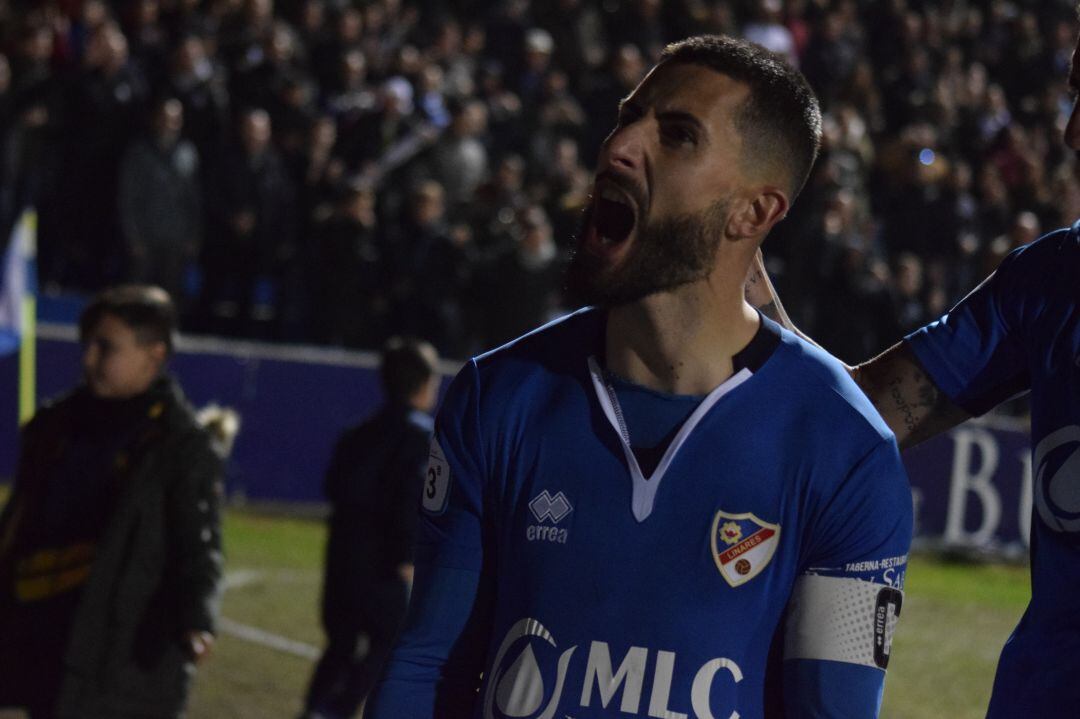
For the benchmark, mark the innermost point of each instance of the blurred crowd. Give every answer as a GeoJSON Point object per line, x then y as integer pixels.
{"type": "Point", "coordinates": [336, 172]}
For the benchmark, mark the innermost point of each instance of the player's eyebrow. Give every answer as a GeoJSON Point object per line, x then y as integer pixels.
{"type": "Point", "coordinates": [680, 116]}
{"type": "Point", "coordinates": [685, 117]}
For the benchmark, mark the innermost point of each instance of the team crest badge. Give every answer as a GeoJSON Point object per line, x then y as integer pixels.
{"type": "Point", "coordinates": [742, 545]}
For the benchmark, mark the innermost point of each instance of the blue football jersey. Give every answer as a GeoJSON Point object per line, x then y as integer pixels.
{"type": "Point", "coordinates": [773, 533]}
{"type": "Point", "coordinates": [1019, 330]}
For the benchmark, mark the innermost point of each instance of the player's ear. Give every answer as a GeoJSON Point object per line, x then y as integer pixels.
{"type": "Point", "coordinates": [753, 215]}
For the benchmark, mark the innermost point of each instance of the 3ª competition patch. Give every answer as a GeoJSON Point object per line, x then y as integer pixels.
{"type": "Point", "coordinates": [437, 483]}
{"type": "Point", "coordinates": [742, 545]}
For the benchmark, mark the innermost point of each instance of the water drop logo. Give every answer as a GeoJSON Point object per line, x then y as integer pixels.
{"type": "Point", "coordinates": [518, 691]}
{"type": "Point", "coordinates": [1057, 479]}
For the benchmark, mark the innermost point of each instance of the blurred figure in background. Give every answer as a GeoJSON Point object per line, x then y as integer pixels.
{"type": "Point", "coordinates": [255, 211]}
{"type": "Point", "coordinates": [374, 482]}
{"type": "Point", "coordinates": [161, 202]}
{"type": "Point", "coordinates": [350, 293]}
{"type": "Point", "coordinates": [520, 286]}
{"type": "Point", "coordinates": [110, 545]}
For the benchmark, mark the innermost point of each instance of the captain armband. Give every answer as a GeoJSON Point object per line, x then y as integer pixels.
{"type": "Point", "coordinates": [842, 619]}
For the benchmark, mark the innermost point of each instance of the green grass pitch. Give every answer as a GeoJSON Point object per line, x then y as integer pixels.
{"type": "Point", "coordinates": [954, 621]}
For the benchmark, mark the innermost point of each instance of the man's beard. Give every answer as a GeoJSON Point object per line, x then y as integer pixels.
{"type": "Point", "coordinates": [666, 254]}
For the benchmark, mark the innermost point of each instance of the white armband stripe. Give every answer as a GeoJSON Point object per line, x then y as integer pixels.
{"type": "Point", "coordinates": [842, 620]}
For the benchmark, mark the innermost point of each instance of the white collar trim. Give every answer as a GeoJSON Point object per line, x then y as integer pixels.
{"type": "Point", "coordinates": [644, 490]}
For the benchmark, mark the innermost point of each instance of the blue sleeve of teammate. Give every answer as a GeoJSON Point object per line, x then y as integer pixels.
{"type": "Point", "coordinates": [975, 352]}
{"type": "Point", "coordinates": [845, 605]}
{"type": "Point", "coordinates": [434, 670]}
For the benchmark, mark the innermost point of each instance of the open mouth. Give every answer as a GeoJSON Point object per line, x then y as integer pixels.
{"type": "Point", "coordinates": [613, 220]}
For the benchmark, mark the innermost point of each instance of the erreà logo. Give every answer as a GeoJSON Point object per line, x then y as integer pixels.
{"type": "Point", "coordinates": [544, 506]}
{"type": "Point", "coordinates": [549, 510]}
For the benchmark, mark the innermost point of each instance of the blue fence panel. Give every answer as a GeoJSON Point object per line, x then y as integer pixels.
{"type": "Point", "coordinates": [293, 403]}
{"type": "Point", "coordinates": [971, 486]}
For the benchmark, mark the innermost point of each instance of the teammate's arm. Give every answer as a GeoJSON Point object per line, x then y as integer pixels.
{"type": "Point", "coordinates": [901, 390]}
{"type": "Point", "coordinates": [905, 396]}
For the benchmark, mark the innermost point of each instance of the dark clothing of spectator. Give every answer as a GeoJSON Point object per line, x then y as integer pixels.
{"type": "Point", "coordinates": [520, 295]}
{"type": "Point", "coordinates": [103, 115]}
{"type": "Point", "coordinates": [460, 164]}
{"type": "Point", "coordinates": [110, 554]}
{"type": "Point", "coordinates": [160, 202]}
{"type": "Point", "coordinates": [373, 483]}
{"type": "Point", "coordinates": [430, 275]}
{"type": "Point", "coordinates": [373, 135]}
{"type": "Point", "coordinates": [206, 107]}
{"type": "Point", "coordinates": [351, 284]}
{"type": "Point", "coordinates": [255, 219]}
{"type": "Point", "coordinates": [856, 315]}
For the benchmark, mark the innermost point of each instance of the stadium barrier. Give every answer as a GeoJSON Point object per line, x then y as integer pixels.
{"type": "Point", "coordinates": [972, 486]}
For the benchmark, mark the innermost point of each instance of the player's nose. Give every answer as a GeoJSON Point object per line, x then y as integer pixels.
{"type": "Point", "coordinates": [624, 148]}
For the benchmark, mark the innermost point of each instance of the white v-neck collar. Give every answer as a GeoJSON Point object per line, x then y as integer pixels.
{"type": "Point", "coordinates": [644, 490]}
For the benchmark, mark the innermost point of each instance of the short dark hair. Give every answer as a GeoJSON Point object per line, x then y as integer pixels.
{"type": "Point", "coordinates": [780, 122]}
{"type": "Point", "coordinates": [146, 309]}
{"type": "Point", "coordinates": [407, 365]}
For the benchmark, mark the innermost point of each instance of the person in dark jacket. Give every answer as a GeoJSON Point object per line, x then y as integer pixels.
{"type": "Point", "coordinates": [110, 544]}
{"type": "Point", "coordinates": [373, 483]}
{"type": "Point", "coordinates": [160, 202]}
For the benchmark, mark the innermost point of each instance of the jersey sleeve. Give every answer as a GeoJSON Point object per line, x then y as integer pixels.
{"type": "Point", "coordinates": [435, 667]}
{"type": "Point", "coordinates": [975, 352]}
{"type": "Point", "coordinates": [845, 605]}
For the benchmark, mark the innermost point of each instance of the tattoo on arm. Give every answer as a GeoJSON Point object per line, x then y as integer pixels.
{"type": "Point", "coordinates": [906, 397]}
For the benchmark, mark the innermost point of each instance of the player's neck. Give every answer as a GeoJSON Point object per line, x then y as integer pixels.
{"type": "Point", "coordinates": [680, 342]}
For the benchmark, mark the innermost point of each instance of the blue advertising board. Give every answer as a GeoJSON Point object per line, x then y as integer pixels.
{"type": "Point", "coordinates": [293, 403]}
{"type": "Point", "coordinates": [971, 486]}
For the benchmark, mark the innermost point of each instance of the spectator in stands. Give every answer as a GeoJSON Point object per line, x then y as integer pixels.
{"type": "Point", "coordinates": [577, 31]}
{"type": "Point", "coordinates": [198, 82]}
{"type": "Point", "coordinates": [319, 172]}
{"type": "Point", "coordinates": [493, 211]}
{"type": "Point", "coordinates": [255, 214]}
{"type": "Point", "coordinates": [349, 97]}
{"type": "Point", "coordinates": [380, 130]}
{"type": "Point", "coordinates": [104, 113]}
{"type": "Point", "coordinates": [351, 280]}
{"type": "Point", "coordinates": [148, 38]}
{"type": "Point", "coordinates": [459, 160]}
{"type": "Point", "coordinates": [374, 482]}
{"type": "Point", "coordinates": [160, 202]}
{"type": "Point", "coordinates": [430, 268]}
{"type": "Point", "coordinates": [986, 80]}
{"type": "Point", "coordinates": [521, 284]}
{"type": "Point", "coordinates": [110, 544]}
{"type": "Point", "coordinates": [627, 69]}
{"type": "Point", "coordinates": [766, 29]}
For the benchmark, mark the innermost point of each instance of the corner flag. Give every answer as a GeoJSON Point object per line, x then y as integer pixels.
{"type": "Point", "coordinates": [18, 305]}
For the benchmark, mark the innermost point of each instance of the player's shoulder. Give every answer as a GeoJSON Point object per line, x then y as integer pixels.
{"type": "Point", "coordinates": [511, 377]}
{"type": "Point", "coordinates": [559, 346]}
{"type": "Point", "coordinates": [821, 381]}
{"type": "Point", "coordinates": [1046, 256]}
